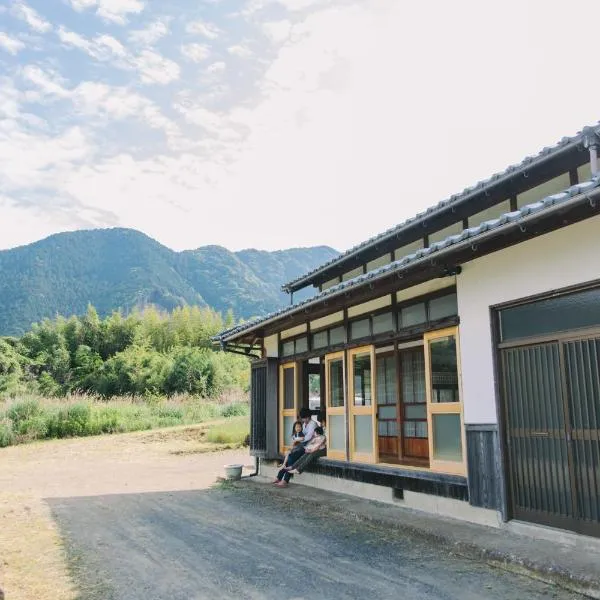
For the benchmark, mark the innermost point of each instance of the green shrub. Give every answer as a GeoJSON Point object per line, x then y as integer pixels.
{"type": "Point", "coordinates": [7, 437]}
{"type": "Point", "coordinates": [170, 412]}
{"type": "Point", "coordinates": [23, 411]}
{"type": "Point", "coordinates": [233, 431]}
{"type": "Point", "coordinates": [70, 421]}
{"type": "Point", "coordinates": [236, 410]}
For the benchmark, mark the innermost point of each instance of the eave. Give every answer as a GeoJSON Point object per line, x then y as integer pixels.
{"type": "Point", "coordinates": [579, 202]}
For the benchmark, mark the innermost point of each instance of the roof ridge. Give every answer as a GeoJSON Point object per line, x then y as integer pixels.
{"type": "Point", "coordinates": [470, 232]}
{"type": "Point", "coordinates": [454, 198]}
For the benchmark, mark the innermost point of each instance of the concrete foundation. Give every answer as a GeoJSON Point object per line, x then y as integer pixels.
{"type": "Point", "coordinates": [446, 507]}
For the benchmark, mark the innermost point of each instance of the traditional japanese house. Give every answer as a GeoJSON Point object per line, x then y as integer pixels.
{"type": "Point", "coordinates": [456, 355]}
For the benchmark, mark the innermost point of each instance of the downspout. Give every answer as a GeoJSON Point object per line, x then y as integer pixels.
{"type": "Point", "coordinates": [256, 466]}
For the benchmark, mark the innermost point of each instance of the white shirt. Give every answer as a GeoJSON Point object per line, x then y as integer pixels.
{"type": "Point", "coordinates": [309, 430]}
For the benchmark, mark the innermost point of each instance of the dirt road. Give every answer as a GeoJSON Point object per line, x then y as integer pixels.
{"type": "Point", "coordinates": [140, 520]}
{"type": "Point", "coordinates": [33, 564]}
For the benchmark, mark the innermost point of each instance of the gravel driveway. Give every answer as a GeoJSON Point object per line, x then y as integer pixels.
{"type": "Point", "coordinates": [251, 542]}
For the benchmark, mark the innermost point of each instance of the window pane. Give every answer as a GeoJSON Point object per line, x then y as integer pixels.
{"type": "Point", "coordinates": [301, 345]}
{"type": "Point", "coordinates": [572, 311]}
{"type": "Point", "coordinates": [387, 412]}
{"type": "Point", "coordinates": [336, 433]}
{"type": "Point", "coordinates": [336, 383]}
{"type": "Point", "coordinates": [386, 380]}
{"type": "Point", "coordinates": [421, 429]}
{"type": "Point", "coordinates": [360, 329]}
{"type": "Point", "coordinates": [288, 424]}
{"type": "Point", "coordinates": [288, 389]}
{"type": "Point", "coordinates": [383, 323]}
{"type": "Point", "coordinates": [319, 340]}
{"type": "Point", "coordinates": [413, 376]}
{"type": "Point", "coordinates": [362, 379]}
{"type": "Point", "coordinates": [445, 306]}
{"type": "Point", "coordinates": [413, 315]}
{"type": "Point", "coordinates": [444, 370]}
{"type": "Point", "coordinates": [314, 391]}
{"type": "Point", "coordinates": [337, 336]}
{"type": "Point", "coordinates": [447, 443]}
{"type": "Point", "coordinates": [410, 429]}
{"type": "Point", "coordinates": [363, 433]}
{"type": "Point", "coordinates": [414, 411]}
{"type": "Point", "coordinates": [288, 349]}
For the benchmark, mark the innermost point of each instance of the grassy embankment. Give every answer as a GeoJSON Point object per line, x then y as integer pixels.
{"type": "Point", "coordinates": [26, 419]}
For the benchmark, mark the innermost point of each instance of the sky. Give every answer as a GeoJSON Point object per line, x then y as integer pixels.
{"type": "Point", "coordinates": [275, 123]}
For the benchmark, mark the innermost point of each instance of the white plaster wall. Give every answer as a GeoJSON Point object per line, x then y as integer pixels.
{"type": "Point", "coordinates": [287, 333]}
{"type": "Point", "coordinates": [271, 347]}
{"type": "Point", "coordinates": [361, 309]}
{"type": "Point", "coordinates": [556, 260]}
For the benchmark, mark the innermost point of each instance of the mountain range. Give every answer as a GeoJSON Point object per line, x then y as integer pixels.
{"type": "Point", "coordinates": [125, 269]}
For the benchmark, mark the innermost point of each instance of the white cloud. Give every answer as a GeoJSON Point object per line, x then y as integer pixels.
{"type": "Point", "coordinates": [154, 68]}
{"type": "Point", "coordinates": [49, 84]}
{"type": "Point", "coordinates": [151, 66]}
{"type": "Point", "coordinates": [10, 44]}
{"type": "Point", "coordinates": [103, 47]}
{"type": "Point", "coordinates": [216, 67]}
{"type": "Point", "coordinates": [277, 31]}
{"type": "Point", "coordinates": [36, 160]}
{"type": "Point", "coordinates": [31, 17]}
{"type": "Point", "coordinates": [195, 52]}
{"type": "Point", "coordinates": [352, 108]}
{"type": "Point", "coordinates": [150, 34]}
{"type": "Point", "coordinates": [296, 5]}
{"type": "Point", "coordinates": [207, 30]}
{"type": "Point", "coordinates": [116, 11]}
{"type": "Point", "coordinates": [99, 100]}
{"type": "Point", "coordinates": [240, 50]}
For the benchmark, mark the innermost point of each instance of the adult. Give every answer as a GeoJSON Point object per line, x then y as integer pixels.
{"type": "Point", "coordinates": [308, 424]}
{"type": "Point", "coordinates": [317, 443]}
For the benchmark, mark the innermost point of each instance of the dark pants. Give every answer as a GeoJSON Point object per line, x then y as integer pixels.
{"type": "Point", "coordinates": [308, 458]}
{"type": "Point", "coordinates": [295, 455]}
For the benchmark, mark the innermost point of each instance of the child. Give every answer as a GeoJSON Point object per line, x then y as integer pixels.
{"type": "Point", "coordinates": [297, 439]}
{"type": "Point", "coordinates": [313, 447]}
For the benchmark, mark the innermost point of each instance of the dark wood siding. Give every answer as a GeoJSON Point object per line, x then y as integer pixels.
{"type": "Point", "coordinates": [263, 409]}
{"type": "Point", "coordinates": [484, 469]}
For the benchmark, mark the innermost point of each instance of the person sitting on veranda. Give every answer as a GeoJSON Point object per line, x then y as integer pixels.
{"type": "Point", "coordinates": [297, 440]}
{"type": "Point", "coordinates": [308, 424]}
{"type": "Point", "coordinates": [317, 443]}
{"type": "Point", "coordinates": [306, 459]}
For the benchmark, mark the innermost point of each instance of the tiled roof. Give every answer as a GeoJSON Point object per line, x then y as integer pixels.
{"type": "Point", "coordinates": [452, 200]}
{"type": "Point", "coordinates": [537, 208]}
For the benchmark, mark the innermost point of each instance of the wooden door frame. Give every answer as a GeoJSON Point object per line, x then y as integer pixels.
{"type": "Point", "coordinates": [371, 410]}
{"type": "Point", "coordinates": [286, 412]}
{"type": "Point", "coordinates": [335, 410]}
{"type": "Point", "coordinates": [440, 408]}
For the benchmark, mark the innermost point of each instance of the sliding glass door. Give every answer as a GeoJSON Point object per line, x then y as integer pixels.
{"type": "Point", "coordinates": [336, 406]}
{"type": "Point", "coordinates": [362, 405]}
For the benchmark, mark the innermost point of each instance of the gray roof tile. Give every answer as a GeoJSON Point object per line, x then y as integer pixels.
{"type": "Point", "coordinates": [455, 198]}
{"type": "Point", "coordinates": [471, 232]}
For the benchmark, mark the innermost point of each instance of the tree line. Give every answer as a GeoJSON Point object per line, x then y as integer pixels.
{"type": "Point", "coordinates": [145, 353]}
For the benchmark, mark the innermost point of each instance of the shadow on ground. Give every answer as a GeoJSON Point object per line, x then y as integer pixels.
{"type": "Point", "coordinates": [246, 543]}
